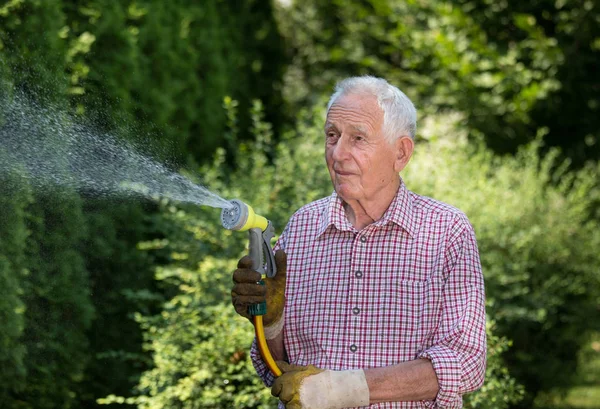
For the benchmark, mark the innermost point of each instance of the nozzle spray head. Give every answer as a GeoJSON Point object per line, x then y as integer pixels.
{"type": "Point", "coordinates": [241, 217]}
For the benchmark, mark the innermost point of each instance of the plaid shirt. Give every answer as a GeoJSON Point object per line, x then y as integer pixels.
{"type": "Point", "coordinates": [407, 286]}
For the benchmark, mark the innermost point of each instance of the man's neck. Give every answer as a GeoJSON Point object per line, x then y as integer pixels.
{"type": "Point", "coordinates": [363, 212]}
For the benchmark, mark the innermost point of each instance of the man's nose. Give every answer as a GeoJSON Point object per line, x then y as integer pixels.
{"type": "Point", "coordinates": [341, 149]}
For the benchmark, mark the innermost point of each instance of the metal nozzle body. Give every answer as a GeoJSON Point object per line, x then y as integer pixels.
{"type": "Point", "coordinates": [241, 217]}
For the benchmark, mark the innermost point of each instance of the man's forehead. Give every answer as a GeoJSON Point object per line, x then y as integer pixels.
{"type": "Point", "coordinates": [357, 127]}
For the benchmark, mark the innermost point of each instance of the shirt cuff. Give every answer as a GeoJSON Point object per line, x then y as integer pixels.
{"type": "Point", "coordinates": [448, 370]}
{"type": "Point", "coordinates": [261, 368]}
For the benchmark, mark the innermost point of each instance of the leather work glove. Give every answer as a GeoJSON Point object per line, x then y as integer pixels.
{"type": "Point", "coordinates": [308, 387]}
{"type": "Point", "coordinates": [246, 290]}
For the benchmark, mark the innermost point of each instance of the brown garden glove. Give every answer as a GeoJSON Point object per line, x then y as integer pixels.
{"type": "Point", "coordinates": [309, 387]}
{"type": "Point", "coordinates": [247, 291]}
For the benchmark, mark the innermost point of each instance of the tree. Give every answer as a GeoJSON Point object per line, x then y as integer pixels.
{"type": "Point", "coordinates": [161, 69]}
{"type": "Point", "coordinates": [54, 292]}
{"type": "Point", "coordinates": [13, 238]}
{"type": "Point", "coordinates": [561, 40]}
{"type": "Point", "coordinates": [511, 69]}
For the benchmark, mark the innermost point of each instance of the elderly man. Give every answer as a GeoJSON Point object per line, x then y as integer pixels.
{"type": "Point", "coordinates": [381, 298]}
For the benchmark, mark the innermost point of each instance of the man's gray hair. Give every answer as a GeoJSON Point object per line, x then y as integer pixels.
{"type": "Point", "coordinates": [399, 113]}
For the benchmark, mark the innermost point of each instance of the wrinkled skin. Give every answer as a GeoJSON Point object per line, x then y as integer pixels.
{"type": "Point", "coordinates": [246, 290]}
{"type": "Point", "coordinates": [287, 386]}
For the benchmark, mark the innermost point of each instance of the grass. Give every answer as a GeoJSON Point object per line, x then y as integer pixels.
{"type": "Point", "coordinates": [585, 395]}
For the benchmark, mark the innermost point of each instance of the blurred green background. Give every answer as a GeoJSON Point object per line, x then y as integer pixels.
{"type": "Point", "coordinates": [122, 304]}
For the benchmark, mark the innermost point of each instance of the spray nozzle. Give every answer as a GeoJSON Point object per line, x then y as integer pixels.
{"type": "Point", "coordinates": [234, 217]}
{"type": "Point", "coordinates": [241, 217]}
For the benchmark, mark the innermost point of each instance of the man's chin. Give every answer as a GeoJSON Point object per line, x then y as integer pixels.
{"type": "Point", "coordinates": [346, 193]}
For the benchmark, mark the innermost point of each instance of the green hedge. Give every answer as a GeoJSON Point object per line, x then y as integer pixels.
{"type": "Point", "coordinates": [151, 72]}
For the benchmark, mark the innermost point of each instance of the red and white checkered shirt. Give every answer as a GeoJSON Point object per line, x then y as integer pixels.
{"type": "Point", "coordinates": [407, 286]}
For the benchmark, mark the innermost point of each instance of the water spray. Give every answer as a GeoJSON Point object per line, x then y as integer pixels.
{"type": "Point", "coordinates": [241, 217]}
{"type": "Point", "coordinates": [48, 149]}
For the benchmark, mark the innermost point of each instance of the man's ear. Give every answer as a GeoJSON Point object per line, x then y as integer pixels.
{"type": "Point", "coordinates": [404, 149]}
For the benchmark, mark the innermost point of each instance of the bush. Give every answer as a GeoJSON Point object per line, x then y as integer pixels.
{"type": "Point", "coordinates": [500, 390]}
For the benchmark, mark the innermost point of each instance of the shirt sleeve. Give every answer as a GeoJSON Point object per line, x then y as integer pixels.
{"type": "Point", "coordinates": [259, 365]}
{"type": "Point", "coordinates": [458, 352]}
{"type": "Point", "coordinates": [261, 368]}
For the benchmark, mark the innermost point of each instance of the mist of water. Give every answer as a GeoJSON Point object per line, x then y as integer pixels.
{"type": "Point", "coordinates": [49, 148]}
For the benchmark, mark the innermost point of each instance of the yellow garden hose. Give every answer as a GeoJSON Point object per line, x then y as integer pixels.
{"type": "Point", "coordinates": [263, 348]}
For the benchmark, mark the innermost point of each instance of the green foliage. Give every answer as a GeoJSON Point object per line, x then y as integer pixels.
{"type": "Point", "coordinates": [587, 393]}
{"type": "Point", "coordinates": [48, 271]}
{"type": "Point", "coordinates": [199, 346]}
{"type": "Point", "coordinates": [162, 68]}
{"type": "Point", "coordinates": [121, 283]}
{"type": "Point", "coordinates": [13, 237]}
{"type": "Point", "coordinates": [154, 73]}
{"type": "Point", "coordinates": [58, 307]}
{"type": "Point", "coordinates": [158, 69]}
{"type": "Point", "coordinates": [31, 54]}
{"type": "Point", "coordinates": [509, 67]}
{"type": "Point", "coordinates": [568, 29]}
{"type": "Point", "coordinates": [500, 390]}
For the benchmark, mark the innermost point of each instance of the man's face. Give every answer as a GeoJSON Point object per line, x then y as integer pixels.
{"type": "Point", "coordinates": [361, 162]}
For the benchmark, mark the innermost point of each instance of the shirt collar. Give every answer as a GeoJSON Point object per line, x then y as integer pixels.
{"type": "Point", "coordinates": [399, 212]}
{"type": "Point", "coordinates": [334, 215]}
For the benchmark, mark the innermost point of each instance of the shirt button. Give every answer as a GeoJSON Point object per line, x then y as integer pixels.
{"type": "Point", "coordinates": [363, 239]}
{"type": "Point", "coordinates": [355, 310]}
{"type": "Point", "coordinates": [358, 274]}
{"type": "Point", "coordinates": [353, 348]}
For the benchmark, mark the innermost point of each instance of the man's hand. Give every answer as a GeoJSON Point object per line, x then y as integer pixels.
{"type": "Point", "coordinates": [247, 290]}
{"type": "Point", "coordinates": [287, 386]}
{"type": "Point", "coordinates": [308, 387]}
